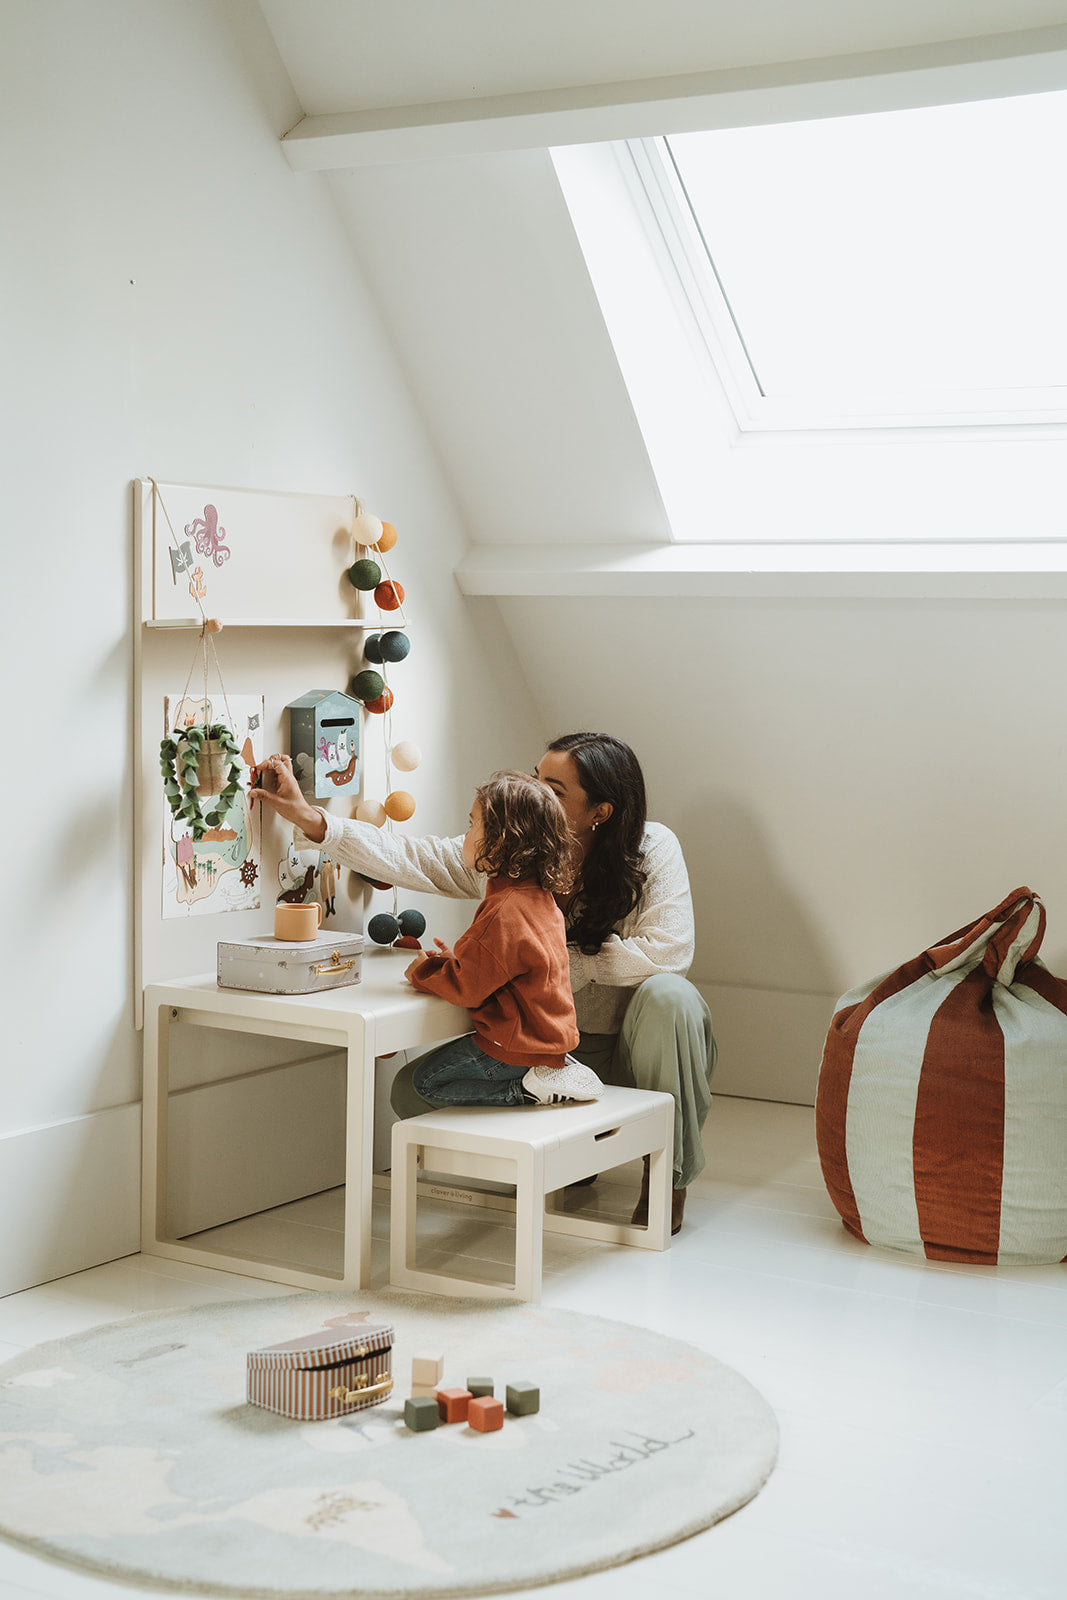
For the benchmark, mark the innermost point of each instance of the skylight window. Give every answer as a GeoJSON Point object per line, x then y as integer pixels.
{"type": "Point", "coordinates": [901, 267]}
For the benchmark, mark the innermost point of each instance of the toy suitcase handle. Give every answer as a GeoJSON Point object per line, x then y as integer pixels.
{"type": "Point", "coordinates": [350, 1396]}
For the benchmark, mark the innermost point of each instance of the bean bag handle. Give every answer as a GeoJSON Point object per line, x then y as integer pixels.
{"type": "Point", "coordinates": [1005, 938]}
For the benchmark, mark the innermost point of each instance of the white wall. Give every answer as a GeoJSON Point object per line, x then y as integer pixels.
{"type": "Point", "coordinates": [180, 305]}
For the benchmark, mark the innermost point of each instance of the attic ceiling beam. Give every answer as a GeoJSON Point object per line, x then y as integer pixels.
{"type": "Point", "coordinates": [1033, 570]}
{"type": "Point", "coordinates": [1026, 62]}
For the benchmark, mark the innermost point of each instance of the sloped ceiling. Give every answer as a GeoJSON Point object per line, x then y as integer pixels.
{"type": "Point", "coordinates": [347, 55]}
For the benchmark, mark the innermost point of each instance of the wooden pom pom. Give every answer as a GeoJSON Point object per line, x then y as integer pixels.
{"type": "Point", "coordinates": [212, 625]}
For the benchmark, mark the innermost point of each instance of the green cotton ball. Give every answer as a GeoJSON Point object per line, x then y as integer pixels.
{"type": "Point", "coordinates": [383, 928]}
{"type": "Point", "coordinates": [366, 685]}
{"type": "Point", "coordinates": [365, 574]}
{"type": "Point", "coordinates": [412, 924]}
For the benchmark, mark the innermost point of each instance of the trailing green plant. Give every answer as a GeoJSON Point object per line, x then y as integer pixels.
{"type": "Point", "coordinates": [179, 762]}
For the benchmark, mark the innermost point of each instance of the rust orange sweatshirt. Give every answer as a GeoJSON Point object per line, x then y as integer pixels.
{"type": "Point", "coordinates": [512, 973]}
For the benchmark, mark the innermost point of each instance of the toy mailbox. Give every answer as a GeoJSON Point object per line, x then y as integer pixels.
{"type": "Point", "coordinates": [324, 742]}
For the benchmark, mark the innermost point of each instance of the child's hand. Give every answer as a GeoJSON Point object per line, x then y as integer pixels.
{"type": "Point", "coordinates": [416, 963]}
{"type": "Point", "coordinates": [444, 949]}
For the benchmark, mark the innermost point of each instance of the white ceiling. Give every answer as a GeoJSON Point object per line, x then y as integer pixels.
{"type": "Point", "coordinates": [349, 55]}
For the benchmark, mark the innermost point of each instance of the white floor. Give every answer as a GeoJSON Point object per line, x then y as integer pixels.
{"type": "Point", "coordinates": [923, 1407]}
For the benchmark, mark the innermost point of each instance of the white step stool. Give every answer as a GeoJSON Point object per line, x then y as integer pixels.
{"type": "Point", "coordinates": [539, 1149]}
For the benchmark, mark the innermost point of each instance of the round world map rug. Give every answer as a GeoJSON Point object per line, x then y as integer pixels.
{"type": "Point", "coordinates": [131, 1452]}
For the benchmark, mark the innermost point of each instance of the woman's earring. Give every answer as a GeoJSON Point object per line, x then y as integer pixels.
{"type": "Point", "coordinates": [594, 827]}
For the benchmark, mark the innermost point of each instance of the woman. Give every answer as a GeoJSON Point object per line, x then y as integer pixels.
{"type": "Point", "coordinates": [629, 921]}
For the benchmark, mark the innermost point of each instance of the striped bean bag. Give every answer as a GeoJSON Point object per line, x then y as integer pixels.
{"type": "Point", "coordinates": [941, 1115]}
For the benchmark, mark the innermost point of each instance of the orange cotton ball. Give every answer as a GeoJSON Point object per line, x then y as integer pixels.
{"type": "Point", "coordinates": [388, 596]}
{"type": "Point", "coordinates": [382, 704]}
{"type": "Point", "coordinates": [388, 538]}
{"type": "Point", "coordinates": [399, 805]}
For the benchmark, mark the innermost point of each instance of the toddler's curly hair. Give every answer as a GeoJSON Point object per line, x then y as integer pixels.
{"type": "Point", "coordinates": [524, 832]}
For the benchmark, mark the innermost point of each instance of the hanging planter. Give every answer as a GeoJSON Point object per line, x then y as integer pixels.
{"type": "Point", "coordinates": [202, 762]}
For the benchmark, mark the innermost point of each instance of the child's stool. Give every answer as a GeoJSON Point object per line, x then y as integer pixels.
{"type": "Point", "coordinates": [539, 1149]}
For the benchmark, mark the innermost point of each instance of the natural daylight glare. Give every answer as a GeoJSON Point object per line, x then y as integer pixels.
{"type": "Point", "coordinates": [890, 253]}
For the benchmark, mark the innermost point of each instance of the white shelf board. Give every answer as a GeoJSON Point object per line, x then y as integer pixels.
{"type": "Point", "coordinates": [191, 623]}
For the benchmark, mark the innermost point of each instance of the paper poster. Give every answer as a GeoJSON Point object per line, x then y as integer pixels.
{"type": "Point", "coordinates": [221, 871]}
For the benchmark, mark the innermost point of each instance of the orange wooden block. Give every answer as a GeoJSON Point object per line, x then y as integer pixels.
{"type": "Point", "coordinates": [485, 1413]}
{"type": "Point", "coordinates": [452, 1404]}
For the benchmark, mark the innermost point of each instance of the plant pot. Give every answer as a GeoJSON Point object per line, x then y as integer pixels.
{"type": "Point", "coordinates": [213, 765]}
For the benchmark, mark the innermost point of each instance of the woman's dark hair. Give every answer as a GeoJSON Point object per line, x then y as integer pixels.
{"type": "Point", "coordinates": [613, 876]}
{"type": "Point", "coordinates": [524, 832]}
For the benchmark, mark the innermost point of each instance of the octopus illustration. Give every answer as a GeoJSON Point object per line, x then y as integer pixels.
{"type": "Point", "coordinates": [209, 536]}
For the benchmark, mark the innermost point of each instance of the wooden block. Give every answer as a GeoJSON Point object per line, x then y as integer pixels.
{"type": "Point", "coordinates": [485, 1413]}
{"type": "Point", "coordinates": [452, 1404]}
{"type": "Point", "coordinates": [427, 1368]}
{"type": "Point", "coordinates": [480, 1386]}
{"type": "Point", "coordinates": [523, 1399]}
{"type": "Point", "coordinates": [420, 1413]}
{"type": "Point", "coordinates": [425, 1389]}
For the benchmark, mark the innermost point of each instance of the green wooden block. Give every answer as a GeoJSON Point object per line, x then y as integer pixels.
{"type": "Point", "coordinates": [523, 1399]}
{"type": "Point", "coordinates": [480, 1387]}
{"type": "Point", "coordinates": [420, 1413]}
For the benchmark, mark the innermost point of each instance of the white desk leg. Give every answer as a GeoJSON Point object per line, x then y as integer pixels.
{"type": "Point", "coordinates": [359, 1153]}
{"type": "Point", "coordinates": [155, 1097]}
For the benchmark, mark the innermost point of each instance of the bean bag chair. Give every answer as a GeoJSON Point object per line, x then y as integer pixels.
{"type": "Point", "coordinates": [941, 1114]}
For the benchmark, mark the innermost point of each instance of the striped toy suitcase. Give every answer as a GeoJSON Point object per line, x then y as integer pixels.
{"type": "Point", "coordinates": [941, 1115]}
{"type": "Point", "coordinates": [325, 1374]}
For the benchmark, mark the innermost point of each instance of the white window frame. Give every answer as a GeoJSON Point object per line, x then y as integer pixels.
{"type": "Point", "coordinates": [685, 258]}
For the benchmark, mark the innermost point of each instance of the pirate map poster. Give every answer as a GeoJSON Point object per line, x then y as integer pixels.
{"type": "Point", "coordinates": [221, 871]}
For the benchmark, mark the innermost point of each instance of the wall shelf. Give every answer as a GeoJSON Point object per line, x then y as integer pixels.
{"type": "Point", "coordinates": [191, 624]}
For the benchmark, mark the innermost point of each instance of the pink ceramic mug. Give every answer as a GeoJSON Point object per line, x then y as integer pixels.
{"type": "Point", "coordinates": [297, 922]}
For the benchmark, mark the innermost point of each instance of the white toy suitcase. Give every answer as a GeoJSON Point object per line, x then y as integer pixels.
{"type": "Point", "coordinates": [290, 966]}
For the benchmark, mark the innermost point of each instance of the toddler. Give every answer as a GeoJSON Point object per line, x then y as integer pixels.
{"type": "Point", "coordinates": [510, 969]}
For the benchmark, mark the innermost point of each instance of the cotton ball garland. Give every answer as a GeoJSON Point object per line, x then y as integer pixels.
{"type": "Point", "coordinates": [372, 648]}
{"type": "Point", "coordinates": [387, 539]}
{"type": "Point", "coordinates": [405, 756]}
{"type": "Point", "coordinates": [382, 704]}
{"type": "Point", "coordinates": [394, 645]}
{"type": "Point", "coordinates": [368, 528]}
{"type": "Point", "coordinates": [367, 686]}
{"type": "Point", "coordinates": [365, 574]}
{"type": "Point", "coordinates": [399, 805]}
{"type": "Point", "coordinates": [371, 811]}
{"type": "Point", "coordinates": [383, 928]}
{"type": "Point", "coordinates": [408, 942]}
{"type": "Point", "coordinates": [412, 924]}
{"type": "Point", "coordinates": [388, 596]}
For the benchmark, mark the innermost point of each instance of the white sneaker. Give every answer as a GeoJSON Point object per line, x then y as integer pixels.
{"type": "Point", "coordinates": [553, 1086]}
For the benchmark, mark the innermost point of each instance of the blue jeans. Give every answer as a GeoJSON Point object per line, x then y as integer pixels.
{"type": "Point", "coordinates": [461, 1074]}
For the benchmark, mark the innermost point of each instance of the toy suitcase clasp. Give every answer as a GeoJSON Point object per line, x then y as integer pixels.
{"type": "Point", "coordinates": [324, 1374]}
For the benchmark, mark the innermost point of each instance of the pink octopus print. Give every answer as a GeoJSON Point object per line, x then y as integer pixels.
{"type": "Point", "coordinates": [209, 536]}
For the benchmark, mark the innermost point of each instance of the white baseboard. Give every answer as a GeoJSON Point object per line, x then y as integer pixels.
{"type": "Point", "coordinates": [69, 1196]}
{"type": "Point", "coordinates": [770, 1041]}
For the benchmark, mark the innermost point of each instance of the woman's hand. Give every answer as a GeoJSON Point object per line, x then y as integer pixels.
{"type": "Point", "coordinates": [279, 788]}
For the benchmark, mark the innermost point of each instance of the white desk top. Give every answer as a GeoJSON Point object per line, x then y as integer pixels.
{"type": "Point", "coordinates": [383, 993]}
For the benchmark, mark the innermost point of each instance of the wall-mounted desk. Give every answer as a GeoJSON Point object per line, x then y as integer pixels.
{"type": "Point", "coordinates": [372, 1018]}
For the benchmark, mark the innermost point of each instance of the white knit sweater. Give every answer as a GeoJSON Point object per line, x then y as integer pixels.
{"type": "Point", "coordinates": [657, 936]}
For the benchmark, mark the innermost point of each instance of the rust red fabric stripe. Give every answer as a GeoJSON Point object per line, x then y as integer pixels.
{"type": "Point", "coordinates": [958, 1148]}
